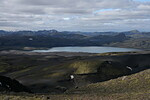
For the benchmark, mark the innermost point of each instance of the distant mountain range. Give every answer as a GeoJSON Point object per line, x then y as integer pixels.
{"type": "Point", "coordinates": [55, 32]}
{"type": "Point", "coordinates": [54, 38]}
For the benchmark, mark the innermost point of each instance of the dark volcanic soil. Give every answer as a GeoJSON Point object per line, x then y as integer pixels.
{"type": "Point", "coordinates": [49, 72]}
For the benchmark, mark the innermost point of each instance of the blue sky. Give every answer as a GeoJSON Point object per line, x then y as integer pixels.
{"type": "Point", "coordinates": [102, 10]}
{"type": "Point", "coordinates": [75, 15]}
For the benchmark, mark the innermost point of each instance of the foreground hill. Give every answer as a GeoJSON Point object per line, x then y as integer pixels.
{"type": "Point", "coordinates": [136, 84]}
{"type": "Point", "coordinates": [132, 87]}
{"type": "Point", "coordinates": [50, 72]}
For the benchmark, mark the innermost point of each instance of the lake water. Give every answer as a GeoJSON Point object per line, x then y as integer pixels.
{"type": "Point", "coordinates": [89, 49]}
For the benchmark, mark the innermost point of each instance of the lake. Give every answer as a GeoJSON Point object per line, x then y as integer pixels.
{"type": "Point", "coordinates": [88, 49]}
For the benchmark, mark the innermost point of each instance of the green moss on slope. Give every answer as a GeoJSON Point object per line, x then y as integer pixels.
{"type": "Point", "coordinates": [136, 83]}
{"type": "Point", "coordinates": [83, 67]}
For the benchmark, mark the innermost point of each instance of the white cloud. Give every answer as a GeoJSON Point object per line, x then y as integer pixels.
{"type": "Point", "coordinates": [83, 15]}
{"type": "Point", "coordinates": [66, 18]}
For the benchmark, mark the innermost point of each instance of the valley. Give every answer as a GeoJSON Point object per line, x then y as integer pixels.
{"type": "Point", "coordinates": [102, 74]}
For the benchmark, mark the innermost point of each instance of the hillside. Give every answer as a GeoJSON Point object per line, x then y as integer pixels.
{"type": "Point", "coordinates": [140, 43]}
{"type": "Point", "coordinates": [132, 87]}
{"type": "Point", "coordinates": [53, 70]}
{"type": "Point", "coordinates": [135, 87]}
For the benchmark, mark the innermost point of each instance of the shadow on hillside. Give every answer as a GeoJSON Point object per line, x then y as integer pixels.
{"type": "Point", "coordinates": [121, 66]}
{"type": "Point", "coordinates": [112, 67]}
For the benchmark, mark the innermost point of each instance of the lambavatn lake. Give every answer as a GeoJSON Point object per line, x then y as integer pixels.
{"type": "Point", "coordinates": [88, 49]}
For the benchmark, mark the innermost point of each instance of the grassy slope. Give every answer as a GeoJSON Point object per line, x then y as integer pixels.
{"type": "Point", "coordinates": [18, 66]}
{"type": "Point", "coordinates": [135, 86]}
{"type": "Point", "coordinates": [53, 66]}
{"type": "Point", "coordinates": [37, 70]}
{"type": "Point", "coordinates": [132, 87]}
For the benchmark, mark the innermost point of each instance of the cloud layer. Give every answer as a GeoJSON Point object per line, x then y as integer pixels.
{"type": "Point", "coordinates": [75, 15]}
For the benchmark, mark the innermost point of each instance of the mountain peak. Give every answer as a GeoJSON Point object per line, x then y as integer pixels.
{"type": "Point", "coordinates": [135, 31]}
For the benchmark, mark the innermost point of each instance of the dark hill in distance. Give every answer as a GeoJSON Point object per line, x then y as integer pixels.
{"type": "Point", "coordinates": [55, 32]}
{"type": "Point", "coordinates": [53, 38]}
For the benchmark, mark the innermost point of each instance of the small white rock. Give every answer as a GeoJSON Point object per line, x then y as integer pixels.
{"type": "Point", "coordinates": [124, 77]}
{"type": "Point", "coordinates": [71, 76]}
{"type": "Point", "coordinates": [30, 39]}
{"type": "Point", "coordinates": [129, 68]}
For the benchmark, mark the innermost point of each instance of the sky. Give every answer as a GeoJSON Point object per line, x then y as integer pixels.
{"type": "Point", "coordinates": [75, 15]}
